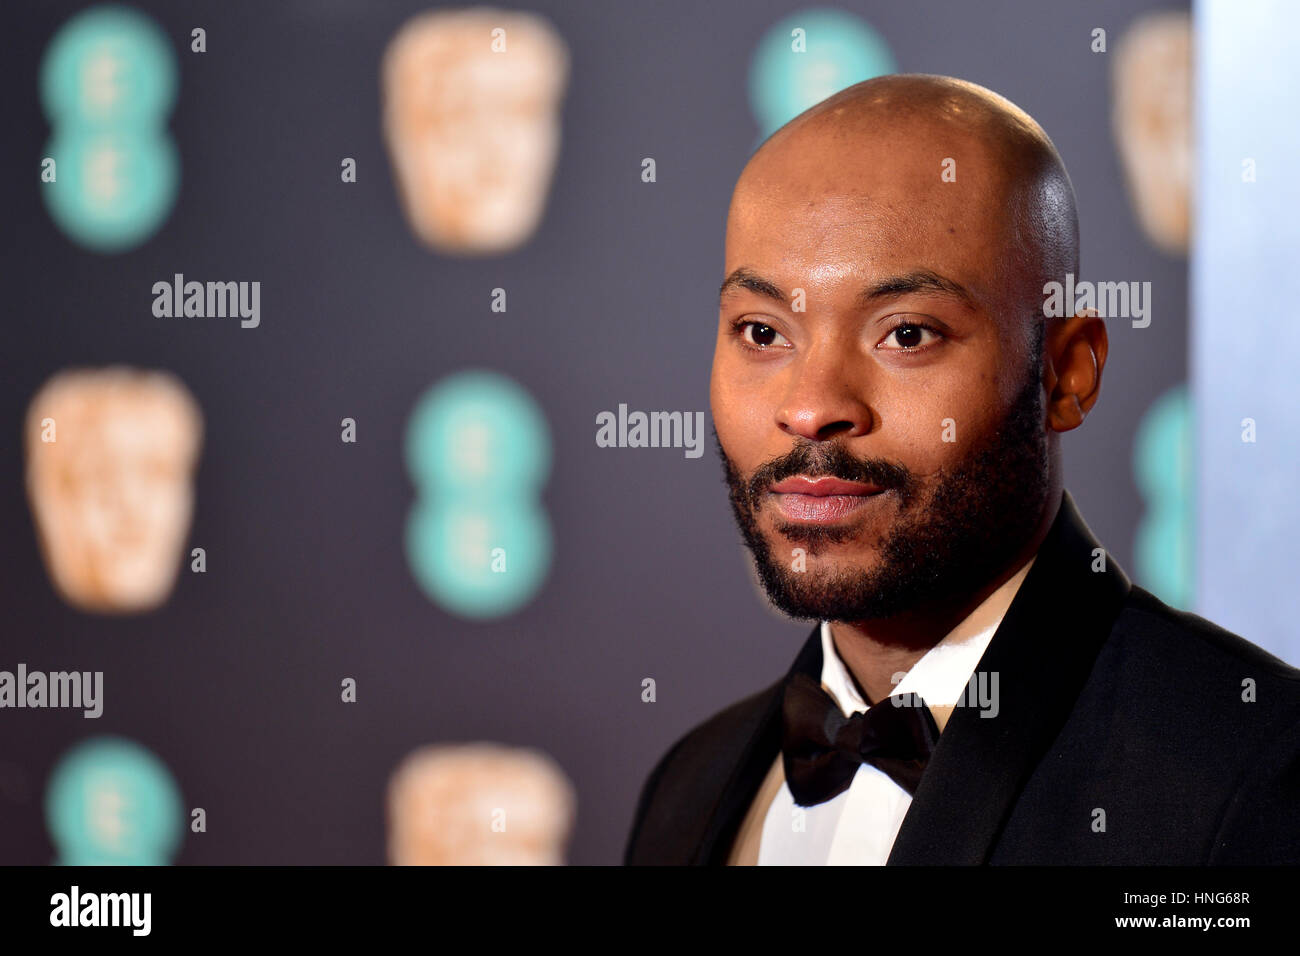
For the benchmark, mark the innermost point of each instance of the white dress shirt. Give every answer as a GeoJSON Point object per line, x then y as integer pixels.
{"type": "Point", "coordinates": [858, 826]}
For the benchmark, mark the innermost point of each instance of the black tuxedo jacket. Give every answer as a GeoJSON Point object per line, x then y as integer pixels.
{"type": "Point", "coordinates": [1186, 737]}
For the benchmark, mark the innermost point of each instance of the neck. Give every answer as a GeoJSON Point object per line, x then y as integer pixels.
{"type": "Point", "coordinates": [877, 652]}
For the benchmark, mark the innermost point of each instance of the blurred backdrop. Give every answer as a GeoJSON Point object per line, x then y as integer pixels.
{"type": "Point", "coordinates": [369, 502]}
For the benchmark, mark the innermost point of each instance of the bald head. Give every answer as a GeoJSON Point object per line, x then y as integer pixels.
{"type": "Point", "coordinates": [942, 159]}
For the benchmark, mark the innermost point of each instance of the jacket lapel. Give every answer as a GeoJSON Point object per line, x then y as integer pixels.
{"type": "Point", "coordinates": [1042, 653]}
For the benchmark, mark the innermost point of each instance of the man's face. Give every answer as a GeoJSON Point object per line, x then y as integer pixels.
{"type": "Point", "coordinates": [911, 375]}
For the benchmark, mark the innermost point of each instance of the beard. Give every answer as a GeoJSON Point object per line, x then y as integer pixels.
{"type": "Point", "coordinates": [945, 545]}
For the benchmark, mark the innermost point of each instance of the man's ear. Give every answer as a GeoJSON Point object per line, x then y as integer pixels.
{"type": "Point", "coordinates": [1076, 354]}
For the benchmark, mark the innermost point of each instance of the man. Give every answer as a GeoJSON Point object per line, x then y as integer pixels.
{"type": "Point", "coordinates": [986, 685]}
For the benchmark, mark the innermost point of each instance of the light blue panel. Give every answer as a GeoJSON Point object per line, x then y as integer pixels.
{"type": "Point", "coordinates": [1246, 335]}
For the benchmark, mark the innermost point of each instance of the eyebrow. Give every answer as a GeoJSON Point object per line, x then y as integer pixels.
{"type": "Point", "coordinates": [921, 281]}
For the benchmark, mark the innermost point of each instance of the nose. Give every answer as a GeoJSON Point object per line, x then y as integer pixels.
{"type": "Point", "coordinates": [826, 397]}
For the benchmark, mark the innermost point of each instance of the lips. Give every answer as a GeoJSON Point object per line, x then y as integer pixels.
{"type": "Point", "coordinates": [822, 487]}
{"type": "Point", "coordinates": [822, 500]}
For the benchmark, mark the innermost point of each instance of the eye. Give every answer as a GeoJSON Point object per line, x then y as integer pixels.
{"type": "Point", "coordinates": [757, 335]}
{"type": "Point", "coordinates": [910, 337]}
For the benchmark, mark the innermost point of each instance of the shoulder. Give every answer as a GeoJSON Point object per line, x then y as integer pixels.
{"type": "Point", "coordinates": [700, 762]}
{"type": "Point", "coordinates": [1188, 645]}
{"type": "Point", "coordinates": [1195, 686]}
{"type": "Point", "coordinates": [1215, 696]}
{"type": "Point", "coordinates": [737, 722]}
{"type": "Point", "coordinates": [734, 725]}
{"type": "Point", "coordinates": [1187, 695]}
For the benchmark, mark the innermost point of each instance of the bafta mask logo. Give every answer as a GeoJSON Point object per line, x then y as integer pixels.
{"type": "Point", "coordinates": [111, 456]}
{"type": "Point", "coordinates": [1152, 119]}
{"type": "Point", "coordinates": [471, 117]}
{"type": "Point", "coordinates": [478, 805]}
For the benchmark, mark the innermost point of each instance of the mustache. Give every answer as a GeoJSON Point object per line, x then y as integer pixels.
{"type": "Point", "coordinates": [829, 460]}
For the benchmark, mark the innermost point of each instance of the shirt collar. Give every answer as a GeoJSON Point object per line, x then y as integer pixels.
{"type": "Point", "coordinates": [941, 675]}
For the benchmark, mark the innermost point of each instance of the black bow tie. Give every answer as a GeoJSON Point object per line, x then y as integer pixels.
{"type": "Point", "coordinates": [822, 749]}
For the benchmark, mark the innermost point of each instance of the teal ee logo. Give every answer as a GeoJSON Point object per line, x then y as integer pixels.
{"type": "Point", "coordinates": [110, 172]}
{"type": "Point", "coordinates": [1162, 465]}
{"type": "Point", "coordinates": [808, 56]}
{"type": "Point", "coordinates": [112, 802]}
{"type": "Point", "coordinates": [477, 538]}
